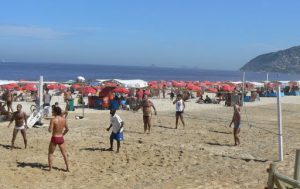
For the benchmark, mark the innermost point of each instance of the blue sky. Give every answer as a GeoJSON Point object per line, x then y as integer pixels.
{"type": "Point", "coordinates": [211, 34]}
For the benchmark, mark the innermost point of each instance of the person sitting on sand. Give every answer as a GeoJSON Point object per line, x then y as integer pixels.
{"type": "Point", "coordinates": [146, 104]}
{"type": "Point", "coordinates": [236, 120]}
{"type": "Point", "coordinates": [180, 106]}
{"type": "Point", "coordinates": [20, 119]}
{"type": "Point", "coordinates": [207, 100]}
{"type": "Point", "coordinates": [59, 128]}
{"type": "Point", "coordinates": [117, 130]}
{"type": "Point", "coordinates": [200, 100]}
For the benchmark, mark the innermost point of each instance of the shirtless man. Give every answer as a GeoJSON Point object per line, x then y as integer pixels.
{"type": "Point", "coordinates": [67, 98]}
{"type": "Point", "coordinates": [9, 99]}
{"type": "Point", "coordinates": [146, 104]}
{"type": "Point", "coordinates": [58, 127]}
{"type": "Point", "coordinates": [236, 120]}
{"type": "Point", "coordinates": [20, 119]}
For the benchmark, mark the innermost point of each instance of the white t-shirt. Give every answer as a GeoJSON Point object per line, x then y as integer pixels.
{"type": "Point", "coordinates": [116, 123]}
{"type": "Point", "coordinates": [179, 106]}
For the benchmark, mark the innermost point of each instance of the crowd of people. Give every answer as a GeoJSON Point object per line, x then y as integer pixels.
{"type": "Point", "coordinates": [59, 126]}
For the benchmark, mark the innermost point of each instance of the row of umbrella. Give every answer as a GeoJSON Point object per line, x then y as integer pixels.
{"type": "Point", "coordinates": [15, 86]}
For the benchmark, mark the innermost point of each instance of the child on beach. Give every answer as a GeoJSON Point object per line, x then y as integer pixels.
{"type": "Point", "coordinates": [117, 130]}
{"type": "Point", "coordinates": [180, 106]}
{"type": "Point", "coordinates": [236, 120]}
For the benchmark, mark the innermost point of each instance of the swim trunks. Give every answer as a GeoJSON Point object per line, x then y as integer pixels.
{"type": "Point", "coordinates": [118, 136]}
{"type": "Point", "coordinates": [20, 128]}
{"type": "Point", "coordinates": [57, 139]}
{"type": "Point", "coordinates": [237, 126]}
{"type": "Point", "coordinates": [179, 112]}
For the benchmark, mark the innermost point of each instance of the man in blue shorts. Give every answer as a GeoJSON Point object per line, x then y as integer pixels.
{"type": "Point", "coordinates": [117, 129]}
{"type": "Point", "coordinates": [236, 120]}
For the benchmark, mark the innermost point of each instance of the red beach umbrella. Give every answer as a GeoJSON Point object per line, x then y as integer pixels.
{"type": "Point", "coordinates": [121, 90]}
{"type": "Point", "coordinates": [213, 90]}
{"type": "Point", "coordinates": [8, 87]}
{"type": "Point", "coordinates": [227, 88]}
{"type": "Point", "coordinates": [153, 86]}
{"type": "Point", "coordinates": [29, 87]}
{"type": "Point", "coordinates": [76, 86]}
{"type": "Point", "coordinates": [53, 86]}
{"type": "Point", "coordinates": [88, 89]}
{"type": "Point", "coordinates": [62, 87]}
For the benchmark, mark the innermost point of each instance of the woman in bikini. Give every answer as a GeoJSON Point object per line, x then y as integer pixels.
{"type": "Point", "coordinates": [58, 127]}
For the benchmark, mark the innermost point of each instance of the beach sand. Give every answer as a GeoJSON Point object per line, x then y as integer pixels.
{"type": "Point", "coordinates": [201, 156]}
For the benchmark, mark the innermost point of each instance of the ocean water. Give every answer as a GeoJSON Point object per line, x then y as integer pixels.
{"type": "Point", "coordinates": [64, 72]}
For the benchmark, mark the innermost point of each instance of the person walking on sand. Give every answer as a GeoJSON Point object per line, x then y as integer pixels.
{"type": "Point", "coordinates": [117, 130]}
{"type": "Point", "coordinates": [8, 97]}
{"type": "Point", "coordinates": [59, 128]}
{"type": "Point", "coordinates": [20, 119]}
{"type": "Point", "coordinates": [180, 106]}
{"type": "Point", "coordinates": [236, 120]}
{"type": "Point", "coordinates": [146, 104]}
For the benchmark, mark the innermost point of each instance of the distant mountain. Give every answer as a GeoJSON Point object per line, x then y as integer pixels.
{"type": "Point", "coordinates": [284, 61]}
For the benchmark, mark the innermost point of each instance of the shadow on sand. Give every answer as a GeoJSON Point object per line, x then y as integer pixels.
{"type": "Point", "coordinates": [8, 147]}
{"type": "Point", "coordinates": [41, 166]}
{"type": "Point", "coordinates": [137, 132]}
{"type": "Point", "coordinates": [218, 144]}
{"type": "Point", "coordinates": [161, 126]}
{"type": "Point", "coordinates": [221, 132]}
{"type": "Point", "coordinates": [96, 149]}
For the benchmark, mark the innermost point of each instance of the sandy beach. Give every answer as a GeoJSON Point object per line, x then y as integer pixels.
{"type": "Point", "coordinates": [200, 156]}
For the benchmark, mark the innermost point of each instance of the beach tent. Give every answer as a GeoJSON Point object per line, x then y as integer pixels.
{"type": "Point", "coordinates": [6, 82]}
{"type": "Point", "coordinates": [135, 83]}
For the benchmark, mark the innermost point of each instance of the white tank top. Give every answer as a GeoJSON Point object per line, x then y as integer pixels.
{"type": "Point", "coordinates": [179, 106]}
